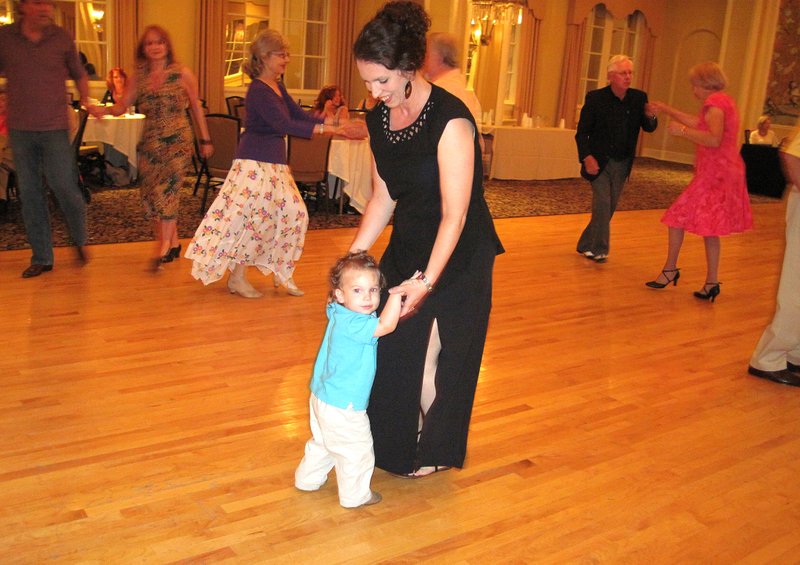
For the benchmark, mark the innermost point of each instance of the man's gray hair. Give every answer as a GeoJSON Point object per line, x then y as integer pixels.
{"type": "Point", "coordinates": [616, 60]}
{"type": "Point", "coordinates": [445, 45]}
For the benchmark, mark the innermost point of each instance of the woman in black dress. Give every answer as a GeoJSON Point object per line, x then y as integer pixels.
{"type": "Point", "coordinates": [428, 175]}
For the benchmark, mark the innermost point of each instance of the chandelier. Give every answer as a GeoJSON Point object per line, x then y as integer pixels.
{"type": "Point", "coordinates": [486, 14]}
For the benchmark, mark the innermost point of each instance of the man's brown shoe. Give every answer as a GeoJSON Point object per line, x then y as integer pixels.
{"type": "Point", "coordinates": [35, 270]}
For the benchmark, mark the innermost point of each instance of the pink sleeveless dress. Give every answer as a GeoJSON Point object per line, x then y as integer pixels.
{"type": "Point", "coordinates": [716, 201]}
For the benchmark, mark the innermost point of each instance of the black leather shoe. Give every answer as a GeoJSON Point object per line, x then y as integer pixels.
{"type": "Point", "coordinates": [36, 270]}
{"type": "Point", "coordinates": [82, 254]}
{"type": "Point", "coordinates": [175, 252]}
{"type": "Point", "coordinates": [784, 377]}
{"type": "Point", "coordinates": [793, 368]}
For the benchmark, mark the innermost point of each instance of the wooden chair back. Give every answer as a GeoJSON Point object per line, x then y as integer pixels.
{"type": "Point", "coordinates": [224, 133]}
{"type": "Point", "coordinates": [231, 102]}
{"type": "Point", "coordinates": [308, 160]}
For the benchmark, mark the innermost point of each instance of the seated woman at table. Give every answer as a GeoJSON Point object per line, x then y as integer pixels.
{"type": "Point", "coordinates": [367, 103]}
{"type": "Point", "coordinates": [763, 135]}
{"type": "Point", "coordinates": [116, 82]}
{"type": "Point", "coordinates": [258, 218]}
{"type": "Point", "coordinates": [330, 104]}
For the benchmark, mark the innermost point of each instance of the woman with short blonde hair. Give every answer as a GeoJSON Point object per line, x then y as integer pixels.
{"type": "Point", "coordinates": [715, 203]}
{"type": "Point", "coordinates": [708, 75]}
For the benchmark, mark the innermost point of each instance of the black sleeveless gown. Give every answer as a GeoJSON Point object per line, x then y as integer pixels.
{"type": "Point", "coordinates": [407, 162]}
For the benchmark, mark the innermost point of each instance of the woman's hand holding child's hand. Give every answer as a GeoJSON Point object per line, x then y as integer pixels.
{"type": "Point", "coordinates": [414, 291]}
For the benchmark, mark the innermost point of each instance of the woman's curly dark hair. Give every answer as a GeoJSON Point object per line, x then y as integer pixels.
{"type": "Point", "coordinates": [327, 93]}
{"type": "Point", "coordinates": [395, 37]}
{"type": "Point", "coordinates": [358, 260]}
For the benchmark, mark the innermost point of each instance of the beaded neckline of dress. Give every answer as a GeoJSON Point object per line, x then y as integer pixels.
{"type": "Point", "coordinates": [410, 130]}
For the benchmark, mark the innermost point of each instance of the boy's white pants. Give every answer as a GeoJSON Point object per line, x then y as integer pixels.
{"type": "Point", "coordinates": [340, 439]}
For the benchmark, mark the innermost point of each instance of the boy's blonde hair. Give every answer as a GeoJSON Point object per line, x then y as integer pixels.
{"type": "Point", "coordinates": [359, 260]}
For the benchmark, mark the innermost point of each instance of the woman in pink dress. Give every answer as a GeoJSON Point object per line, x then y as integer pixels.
{"type": "Point", "coordinates": [715, 202]}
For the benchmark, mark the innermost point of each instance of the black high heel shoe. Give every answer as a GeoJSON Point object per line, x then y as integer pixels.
{"type": "Point", "coordinates": [158, 262]}
{"type": "Point", "coordinates": [673, 280]}
{"type": "Point", "coordinates": [174, 252]}
{"type": "Point", "coordinates": [708, 293]}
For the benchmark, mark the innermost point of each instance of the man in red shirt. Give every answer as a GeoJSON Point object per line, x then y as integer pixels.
{"type": "Point", "coordinates": [37, 57]}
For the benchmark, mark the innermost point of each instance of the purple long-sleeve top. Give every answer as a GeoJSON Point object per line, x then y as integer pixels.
{"type": "Point", "coordinates": [269, 118]}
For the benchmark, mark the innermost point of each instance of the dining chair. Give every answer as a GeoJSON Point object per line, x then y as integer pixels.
{"type": "Point", "coordinates": [231, 102]}
{"type": "Point", "coordinates": [88, 156]}
{"type": "Point", "coordinates": [8, 181]}
{"type": "Point", "coordinates": [308, 160]}
{"type": "Point", "coordinates": [240, 112]}
{"type": "Point", "coordinates": [488, 141]}
{"type": "Point", "coordinates": [224, 133]}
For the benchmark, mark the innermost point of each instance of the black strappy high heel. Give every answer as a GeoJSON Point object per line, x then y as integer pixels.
{"type": "Point", "coordinates": [708, 293]}
{"type": "Point", "coordinates": [673, 280]}
{"type": "Point", "coordinates": [175, 252]}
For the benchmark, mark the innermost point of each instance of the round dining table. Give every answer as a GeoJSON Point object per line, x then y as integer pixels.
{"type": "Point", "coordinates": [120, 132]}
{"type": "Point", "coordinates": [351, 161]}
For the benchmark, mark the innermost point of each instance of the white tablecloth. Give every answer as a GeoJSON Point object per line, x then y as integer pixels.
{"type": "Point", "coordinates": [123, 132]}
{"type": "Point", "coordinates": [351, 161]}
{"type": "Point", "coordinates": [533, 153]}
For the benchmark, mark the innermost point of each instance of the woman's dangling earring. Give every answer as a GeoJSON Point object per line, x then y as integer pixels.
{"type": "Point", "coordinates": [408, 90]}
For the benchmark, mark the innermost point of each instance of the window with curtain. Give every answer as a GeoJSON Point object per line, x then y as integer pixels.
{"type": "Point", "coordinates": [471, 59]}
{"type": "Point", "coordinates": [512, 62]}
{"type": "Point", "coordinates": [607, 36]}
{"type": "Point", "coordinates": [87, 21]}
{"type": "Point", "coordinates": [243, 20]}
{"type": "Point", "coordinates": [305, 26]}
{"type": "Point", "coordinates": [6, 12]}
{"type": "Point", "coordinates": [494, 35]}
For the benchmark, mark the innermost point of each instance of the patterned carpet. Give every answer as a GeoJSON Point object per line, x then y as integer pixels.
{"type": "Point", "coordinates": [114, 216]}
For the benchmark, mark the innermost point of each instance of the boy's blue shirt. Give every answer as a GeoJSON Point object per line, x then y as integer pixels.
{"type": "Point", "coordinates": [345, 367]}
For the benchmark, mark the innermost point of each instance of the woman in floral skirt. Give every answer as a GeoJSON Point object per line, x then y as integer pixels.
{"type": "Point", "coordinates": [259, 217]}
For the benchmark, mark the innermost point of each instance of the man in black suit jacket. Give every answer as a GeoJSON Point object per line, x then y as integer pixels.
{"type": "Point", "coordinates": [608, 130]}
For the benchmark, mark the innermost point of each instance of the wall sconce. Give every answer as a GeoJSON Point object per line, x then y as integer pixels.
{"type": "Point", "coordinates": [97, 18]}
{"type": "Point", "coordinates": [487, 13]}
{"type": "Point", "coordinates": [6, 19]}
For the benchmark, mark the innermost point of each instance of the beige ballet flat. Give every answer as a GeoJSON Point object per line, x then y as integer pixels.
{"type": "Point", "coordinates": [242, 288]}
{"type": "Point", "coordinates": [291, 287]}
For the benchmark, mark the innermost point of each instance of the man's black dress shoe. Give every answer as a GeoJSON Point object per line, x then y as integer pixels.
{"type": "Point", "coordinates": [784, 377]}
{"type": "Point", "coordinates": [792, 367]}
{"type": "Point", "coordinates": [82, 254]}
{"type": "Point", "coordinates": [35, 270]}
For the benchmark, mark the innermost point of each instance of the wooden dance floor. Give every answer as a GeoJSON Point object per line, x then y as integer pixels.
{"type": "Point", "coordinates": [148, 419]}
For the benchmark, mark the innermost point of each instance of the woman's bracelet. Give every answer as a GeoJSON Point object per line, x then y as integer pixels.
{"type": "Point", "coordinates": [204, 142]}
{"type": "Point", "coordinates": [321, 129]}
{"type": "Point", "coordinates": [425, 281]}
